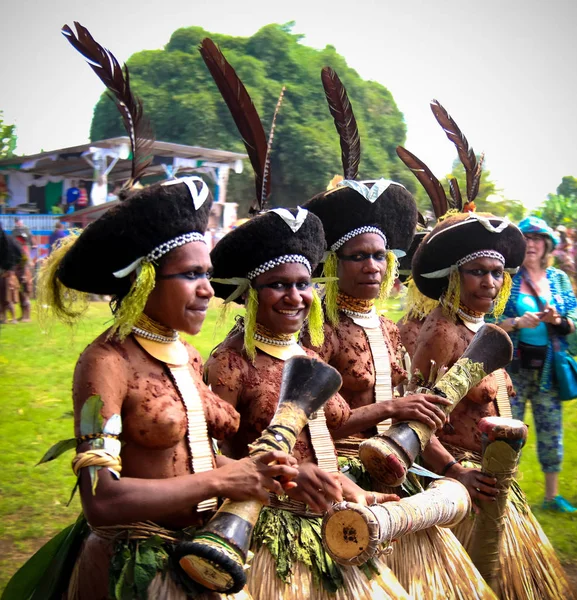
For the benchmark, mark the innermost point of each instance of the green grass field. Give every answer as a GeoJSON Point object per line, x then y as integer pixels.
{"type": "Point", "coordinates": [35, 411]}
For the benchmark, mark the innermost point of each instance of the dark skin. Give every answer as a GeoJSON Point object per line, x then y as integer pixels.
{"type": "Point", "coordinates": [347, 349]}
{"type": "Point", "coordinates": [285, 297]}
{"type": "Point", "coordinates": [409, 332]}
{"type": "Point", "coordinates": [444, 341]}
{"type": "Point", "coordinates": [156, 482]}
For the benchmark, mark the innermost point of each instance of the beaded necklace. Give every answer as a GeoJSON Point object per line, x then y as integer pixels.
{"type": "Point", "coordinates": [266, 336]}
{"type": "Point", "coordinates": [470, 316]}
{"type": "Point", "coordinates": [355, 307]}
{"type": "Point", "coordinates": [151, 330]}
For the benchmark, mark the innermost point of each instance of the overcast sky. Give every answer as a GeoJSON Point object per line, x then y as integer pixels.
{"type": "Point", "coordinates": [506, 70]}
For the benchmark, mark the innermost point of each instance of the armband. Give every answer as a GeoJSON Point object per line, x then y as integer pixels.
{"type": "Point", "coordinates": [103, 438]}
{"type": "Point", "coordinates": [448, 466]}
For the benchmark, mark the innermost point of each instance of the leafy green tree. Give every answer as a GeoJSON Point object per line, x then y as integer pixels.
{"type": "Point", "coordinates": [559, 210]}
{"type": "Point", "coordinates": [7, 138]}
{"type": "Point", "coordinates": [567, 187]}
{"type": "Point", "coordinates": [185, 107]}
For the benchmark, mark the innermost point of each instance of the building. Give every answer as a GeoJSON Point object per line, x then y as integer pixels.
{"type": "Point", "coordinates": [34, 187]}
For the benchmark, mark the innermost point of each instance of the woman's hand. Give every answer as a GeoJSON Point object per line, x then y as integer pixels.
{"type": "Point", "coordinates": [420, 407]}
{"type": "Point", "coordinates": [529, 320]}
{"type": "Point", "coordinates": [480, 487]}
{"type": "Point", "coordinates": [550, 315]}
{"type": "Point", "coordinates": [316, 488]}
{"type": "Point", "coordinates": [253, 478]}
{"type": "Point", "coordinates": [353, 493]}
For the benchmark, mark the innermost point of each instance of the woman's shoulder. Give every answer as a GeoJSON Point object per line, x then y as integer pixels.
{"type": "Point", "coordinates": [104, 351]}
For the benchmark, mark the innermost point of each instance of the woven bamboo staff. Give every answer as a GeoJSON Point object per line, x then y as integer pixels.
{"type": "Point", "coordinates": [216, 556]}
{"type": "Point", "coordinates": [387, 457]}
{"type": "Point", "coordinates": [353, 533]}
{"type": "Point", "coordinates": [502, 442]}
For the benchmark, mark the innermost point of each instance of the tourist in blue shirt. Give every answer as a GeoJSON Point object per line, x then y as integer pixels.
{"type": "Point", "coordinates": [532, 367]}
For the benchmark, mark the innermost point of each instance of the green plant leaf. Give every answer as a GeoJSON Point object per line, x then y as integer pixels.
{"type": "Point", "coordinates": [90, 416]}
{"type": "Point", "coordinates": [57, 449]}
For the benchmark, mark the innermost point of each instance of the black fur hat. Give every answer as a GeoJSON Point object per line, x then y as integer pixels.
{"type": "Point", "coordinates": [265, 238]}
{"type": "Point", "coordinates": [456, 238]}
{"type": "Point", "coordinates": [343, 210]}
{"type": "Point", "coordinates": [405, 261]}
{"type": "Point", "coordinates": [133, 228]}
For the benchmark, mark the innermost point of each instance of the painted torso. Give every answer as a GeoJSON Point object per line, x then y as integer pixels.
{"type": "Point", "coordinates": [256, 388]}
{"type": "Point", "coordinates": [347, 349]}
{"type": "Point", "coordinates": [154, 422]}
{"type": "Point", "coordinates": [444, 341]}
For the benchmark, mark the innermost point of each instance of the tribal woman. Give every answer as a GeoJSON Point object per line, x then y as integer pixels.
{"type": "Point", "coordinates": [366, 225]}
{"type": "Point", "coordinates": [465, 262]}
{"type": "Point", "coordinates": [268, 262]}
{"type": "Point", "coordinates": [144, 419]}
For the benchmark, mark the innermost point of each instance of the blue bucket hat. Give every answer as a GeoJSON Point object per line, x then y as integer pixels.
{"type": "Point", "coordinates": [537, 225]}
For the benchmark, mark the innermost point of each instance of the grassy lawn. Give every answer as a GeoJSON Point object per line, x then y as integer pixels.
{"type": "Point", "coordinates": [35, 381]}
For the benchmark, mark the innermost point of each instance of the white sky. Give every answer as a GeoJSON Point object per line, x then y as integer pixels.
{"type": "Point", "coordinates": [505, 69]}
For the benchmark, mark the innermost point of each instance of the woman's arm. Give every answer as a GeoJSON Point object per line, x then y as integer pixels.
{"type": "Point", "coordinates": [441, 461]}
{"type": "Point", "coordinates": [416, 407]}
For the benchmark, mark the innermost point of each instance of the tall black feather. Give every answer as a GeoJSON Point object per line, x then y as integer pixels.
{"type": "Point", "coordinates": [244, 115]}
{"type": "Point", "coordinates": [345, 122]}
{"type": "Point", "coordinates": [117, 80]}
{"type": "Point", "coordinates": [466, 154]}
{"type": "Point", "coordinates": [266, 174]}
{"type": "Point", "coordinates": [455, 194]}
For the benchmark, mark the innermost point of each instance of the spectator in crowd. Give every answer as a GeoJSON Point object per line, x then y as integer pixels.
{"type": "Point", "coordinates": [23, 236]}
{"type": "Point", "coordinates": [541, 307]}
{"type": "Point", "coordinates": [72, 194]}
{"type": "Point", "coordinates": [58, 233]}
{"type": "Point", "coordinates": [82, 200]}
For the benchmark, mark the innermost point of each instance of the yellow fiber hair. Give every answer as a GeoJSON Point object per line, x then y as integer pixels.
{"type": "Point", "coordinates": [451, 299]}
{"type": "Point", "coordinates": [52, 296]}
{"type": "Point", "coordinates": [502, 296]}
{"type": "Point", "coordinates": [450, 213]}
{"type": "Point", "coordinates": [132, 305]}
{"type": "Point", "coordinates": [418, 305]}
{"type": "Point", "coordinates": [316, 321]}
{"type": "Point", "coordinates": [250, 323]}
{"type": "Point", "coordinates": [391, 274]}
{"type": "Point", "coordinates": [331, 289]}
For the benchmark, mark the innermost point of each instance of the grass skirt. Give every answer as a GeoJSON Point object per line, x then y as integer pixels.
{"type": "Point", "coordinates": [530, 569]}
{"type": "Point", "coordinates": [290, 563]}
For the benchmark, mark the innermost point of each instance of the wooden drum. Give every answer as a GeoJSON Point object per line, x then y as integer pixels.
{"type": "Point", "coordinates": [352, 533]}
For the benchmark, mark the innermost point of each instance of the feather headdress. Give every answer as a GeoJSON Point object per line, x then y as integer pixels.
{"type": "Point", "coordinates": [345, 122]}
{"type": "Point", "coordinates": [117, 80]}
{"type": "Point", "coordinates": [245, 117]}
{"type": "Point", "coordinates": [431, 184]}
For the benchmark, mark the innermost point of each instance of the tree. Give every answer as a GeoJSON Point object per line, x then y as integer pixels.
{"type": "Point", "coordinates": [185, 107]}
{"type": "Point", "coordinates": [7, 138]}
{"type": "Point", "coordinates": [567, 187]}
{"type": "Point", "coordinates": [559, 210]}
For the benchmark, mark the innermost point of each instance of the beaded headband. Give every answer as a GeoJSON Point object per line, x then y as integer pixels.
{"type": "Point", "coordinates": [358, 231]}
{"type": "Point", "coordinates": [480, 254]}
{"type": "Point", "coordinates": [281, 260]}
{"type": "Point", "coordinates": [472, 256]}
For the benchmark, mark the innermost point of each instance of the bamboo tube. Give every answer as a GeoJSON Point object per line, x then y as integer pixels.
{"type": "Point", "coordinates": [502, 442]}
